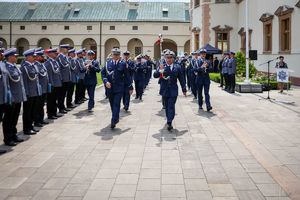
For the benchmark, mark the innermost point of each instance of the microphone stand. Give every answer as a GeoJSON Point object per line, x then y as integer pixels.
{"type": "Point", "coordinates": [268, 62]}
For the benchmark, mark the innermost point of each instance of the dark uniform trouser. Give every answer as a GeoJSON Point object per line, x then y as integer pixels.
{"type": "Point", "coordinates": [170, 108]}
{"type": "Point", "coordinates": [115, 103]}
{"type": "Point", "coordinates": [226, 78]}
{"type": "Point", "coordinates": [1, 112]}
{"type": "Point", "coordinates": [231, 83]}
{"type": "Point", "coordinates": [193, 85]}
{"type": "Point", "coordinates": [91, 93]}
{"type": "Point", "coordinates": [206, 94]}
{"type": "Point", "coordinates": [221, 80]}
{"type": "Point", "coordinates": [10, 121]}
{"type": "Point", "coordinates": [52, 102]}
{"type": "Point", "coordinates": [139, 87]}
{"type": "Point", "coordinates": [70, 93]}
{"type": "Point", "coordinates": [39, 113]}
{"type": "Point", "coordinates": [126, 97]}
{"type": "Point", "coordinates": [29, 107]}
{"type": "Point", "coordinates": [188, 80]}
{"type": "Point", "coordinates": [78, 92]}
{"type": "Point", "coordinates": [62, 95]}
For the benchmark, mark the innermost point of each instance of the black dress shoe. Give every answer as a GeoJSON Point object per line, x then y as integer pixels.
{"type": "Point", "coordinates": [2, 151]}
{"type": "Point", "coordinates": [10, 143]}
{"type": "Point", "coordinates": [31, 132]}
{"type": "Point", "coordinates": [67, 109]}
{"type": "Point", "coordinates": [200, 108]}
{"type": "Point", "coordinates": [59, 115]}
{"type": "Point", "coordinates": [170, 127]}
{"type": "Point", "coordinates": [35, 130]}
{"type": "Point", "coordinates": [44, 122]}
{"type": "Point", "coordinates": [63, 111]}
{"type": "Point", "coordinates": [38, 125]}
{"type": "Point", "coordinates": [209, 109]}
{"type": "Point", "coordinates": [52, 117]}
{"type": "Point", "coordinates": [18, 140]}
{"type": "Point", "coordinates": [71, 106]}
{"type": "Point", "coordinates": [112, 126]}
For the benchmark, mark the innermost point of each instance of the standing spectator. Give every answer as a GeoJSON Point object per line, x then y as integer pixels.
{"type": "Point", "coordinates": [216, 64]}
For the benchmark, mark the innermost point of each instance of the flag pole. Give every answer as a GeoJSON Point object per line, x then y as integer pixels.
{"type": "Point", "coordinates": [247, 41]}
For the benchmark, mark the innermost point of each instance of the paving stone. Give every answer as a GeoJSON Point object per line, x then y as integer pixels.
{"type": "Point", "coordinates": [123, 191]}
{"type": "Point", "coordinates": [149, 184]}
{"type": "Point", "coordinates": [102, 184]}
{"type": "Point", "coordinates": [172, 191]}
{"type": "Point", "coordinates": [271, 190]}
{"type": "Point", "coordinates": [222, 190]}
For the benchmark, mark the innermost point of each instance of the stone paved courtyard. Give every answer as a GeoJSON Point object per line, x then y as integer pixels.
{"type": "Point", "coordinates": [245, 149]}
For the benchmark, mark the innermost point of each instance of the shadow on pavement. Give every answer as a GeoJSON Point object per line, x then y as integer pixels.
{"type": "Point", "coordinates": [82, 114]}
{"type": "Point", "coordinates": [205, 114]}
{"type": "Point", "coordinates": [108, 134]}
{"type": "Point", "coordinates": [168, 136]}
{"type": "Point", "coordinates": [104, 101]}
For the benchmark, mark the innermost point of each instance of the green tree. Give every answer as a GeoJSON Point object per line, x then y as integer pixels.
{"type": "Point", "coordinates": [241, 66]}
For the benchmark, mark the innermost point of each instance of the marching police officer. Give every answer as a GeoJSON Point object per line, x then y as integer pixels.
{"type": "Point", "coordinates": [203, 80]}
{"type": "Point", "coordinates": [115, 76]}
{"type": "Point", "coordinates": [55, 83]}
{"type": "Point", "coordinates": [149, 65]}
{"type": "Point", "coordinates": [140, 71]}
{"type": "Point", "coordinates": [90, 80]}
{"type": "Point", "coordinates": [43, 81]}
{"type": "Point", "coordinates": [130, 67]}
{"type": "Point", "coordinates": [170, 72]}
{"type": "Point", "coordinates": [80, 88]}
{"type": "Point", "coordinates": [33, 90]}
{"type": "Point", "coordinates": [193, 74]}
{"type": "Point", "coordinates": [65, 72]}
{"type": "Point", "coordinates": [74, 70]}
{"type": "Point", "coordinates": [16, 96]}
{"type": "Point", "coordinates": [231, 72]}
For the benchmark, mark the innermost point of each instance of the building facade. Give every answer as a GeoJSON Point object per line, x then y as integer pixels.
{"type": "Point", "coordinates": [273, 29]}
{"type": "Point", "coordinates": [99, 26]}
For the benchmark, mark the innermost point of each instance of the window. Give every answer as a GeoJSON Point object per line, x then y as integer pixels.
{"type": "Point", "coordinates": [222, 37]}
{"type": "Point", "coordinates": [285, 34]}
{"type": "Point", "coordinates": [242, 33]}
{"type": "Point", "coordinates": [22, 27]}
{"type": "Point", "coordinates": [267, 20]}
{"type": "Point", "coordinates": [222, 41]}
{"type": "Point", "coordinates": [196, 3]}
{"type": "Point", "coordinates": [89, 28]}
{"type": "Point", "coordinates": [44, 27]}
{"type": "Point", "coordinates": [112, 28]}
{"type": "Point", "coordinates": [268, 36]}
{"type": "Point", "coordinates": [67, 27]}
{"type": "Point", "coordinates": [222, 1]}
{"type": "Point", "coordinates": [196, 41]}
{"type": "Point", "coordinates": [284, 14]}
{"type": "Point", "coordinates": [135, 28]}
{"type": "Point", "coordinates": [1, 27]}
{"type": "Point", "coordinates": [165, 28]}
{"type": "Point", "coordinates": [165, 12]}
{"type": "Point", "coordinates": [137, 51]}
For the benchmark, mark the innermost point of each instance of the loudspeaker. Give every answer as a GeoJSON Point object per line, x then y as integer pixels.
{"type": "Point", "coordinates": [253, 54]}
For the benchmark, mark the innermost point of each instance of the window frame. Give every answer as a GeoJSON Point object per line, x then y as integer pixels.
{"type": "Point", "coordinates": [66, 28]}
{"type": "Point", "coordinates": [135, 28]}
{"type": "Point", "coordinates": [112, 28]}
{"type": "Point", "coordinates": [223, 41]}
{"type": "Point", "coordinates": [281, 34]}
{"type": "Point", "coordinates": [22, 28]}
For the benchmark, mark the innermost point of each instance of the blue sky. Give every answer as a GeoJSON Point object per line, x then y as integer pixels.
{"type": "Point", "coordinates": [91, 0]}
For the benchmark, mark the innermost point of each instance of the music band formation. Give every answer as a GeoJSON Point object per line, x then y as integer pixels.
{"type": "Point", "coordinates": [60, 77]}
